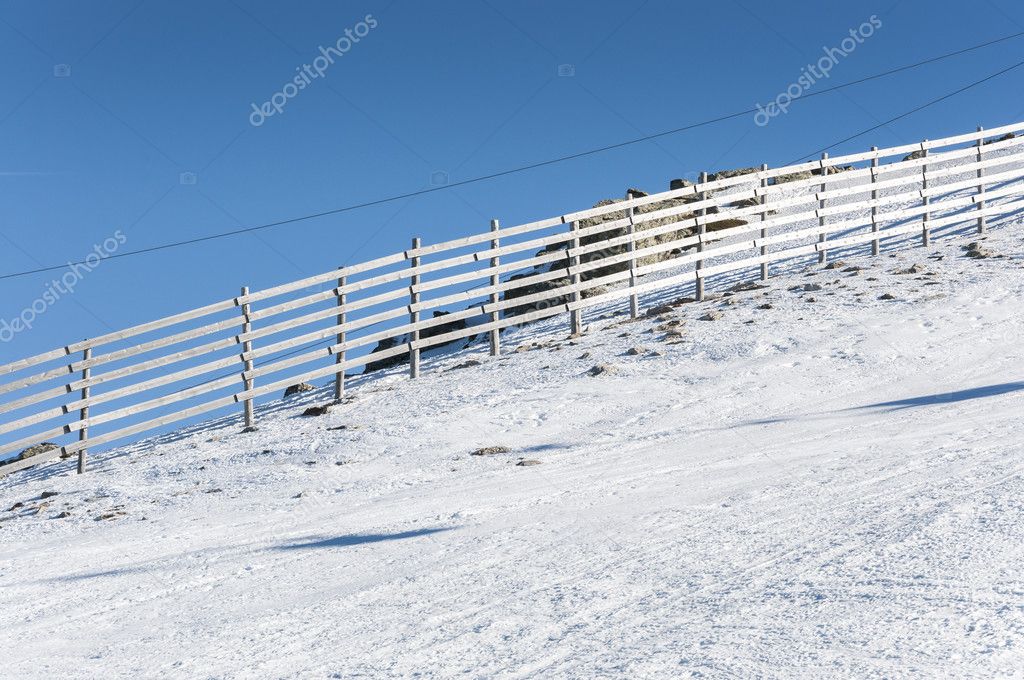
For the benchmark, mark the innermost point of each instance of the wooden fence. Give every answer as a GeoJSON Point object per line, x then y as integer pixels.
{"type": "Point", "coordinates": [719, 225]}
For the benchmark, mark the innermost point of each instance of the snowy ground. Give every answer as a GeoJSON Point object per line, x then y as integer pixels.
{"type": "Point", "coordinates": [820, 488]}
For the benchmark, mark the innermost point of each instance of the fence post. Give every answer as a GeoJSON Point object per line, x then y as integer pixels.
{"type": "Point", "coordinates": [822, 237]}
{"type": "Point", "coordinates": [702, 229]}
{"type": "Point", "coordinates": [247, 383]}
{"type": "Point", "coordinates": [634, 300]}
{"type": "Point", "coordinates": [495, 282]}
{"type": "Point", "coordinates": [339, 377]}
{"type": "Point", "coordinates": [981, 186]}
{"type": "Point", "coordinates": [764, 216]}
{"type": "Point", "coordinates": [576, 314]}
{"type": "Point", "coordinates": [414, 314]}
{"type": "Point", "coordinates": [925, 235]}
{"type": "Point", "coordinates": [874, 209]}
{"type": "Point", "coordinates": [83, 414]}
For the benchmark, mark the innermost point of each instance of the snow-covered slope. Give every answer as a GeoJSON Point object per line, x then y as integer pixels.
{"type": "Point", "coordinates": [817, 483]}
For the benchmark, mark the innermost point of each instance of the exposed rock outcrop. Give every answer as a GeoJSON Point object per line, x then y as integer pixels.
{"type": "Point", "coordinates": [431, 332]}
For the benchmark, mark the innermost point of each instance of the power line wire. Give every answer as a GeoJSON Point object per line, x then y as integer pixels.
{"type": "Point", "coordinates": [553, 161]}
{"type": "Point", "coordinates": [910, 112]}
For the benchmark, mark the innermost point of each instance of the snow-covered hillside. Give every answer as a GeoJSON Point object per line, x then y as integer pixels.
{"type": "Point", "coordinates": [813, 482]}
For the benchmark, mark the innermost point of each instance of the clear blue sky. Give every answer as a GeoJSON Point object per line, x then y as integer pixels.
{"type": "Point", "coordinates": [157, 89]}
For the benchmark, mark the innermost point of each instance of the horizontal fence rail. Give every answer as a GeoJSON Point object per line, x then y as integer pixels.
{"type": "Point", "coordinates": [391, 309]}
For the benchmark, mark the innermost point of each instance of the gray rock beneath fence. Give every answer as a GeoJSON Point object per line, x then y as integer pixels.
{"type": "Point", "coordinates": [299, 389]}
{"type": "Point", "coordinates": [1007, 136]}
{"type": "Point", "coordinates": [317, 410]}
{"type": "Point", "coordinates": [431, 332]}
{"type": "Point", "coordinates": [726, 174]}
{"type": "Point", "coordinates": [745, 203]}
{"type": "Point", "coordinates": [37, 449]}
{"type": "Point", "coordinates": [679, 184]}
{"type": "Point", "coordinates": [914, 156]}
{"type": "Point", "coordinates": [793, 177]}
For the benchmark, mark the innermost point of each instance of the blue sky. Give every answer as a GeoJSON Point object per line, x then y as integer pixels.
{"type": "Point", "coordinates": [154, 91]}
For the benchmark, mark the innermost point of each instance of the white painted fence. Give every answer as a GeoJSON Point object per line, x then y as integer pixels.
{"type": "Point", "coordinates": [949, 183]}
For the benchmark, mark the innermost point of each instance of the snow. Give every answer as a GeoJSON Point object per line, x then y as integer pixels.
{"type": "Point", "coordinates": [819, 488]}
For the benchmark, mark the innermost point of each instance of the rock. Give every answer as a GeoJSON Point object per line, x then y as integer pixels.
{"type": "Point", "coordinates": [317, 410]}
{"type": "Point", "coordinates": [852, 269]}
{"type": "Point", "coordinates": [49, 494]}
{"type": "Point", "coordinates": [636, 193]}
{"type": "Point", "coordinates": [602, 369]}
{"type": "Point", "coordinates": [914, 156]}
{"type": "Point", "coordinates": [491, 451]}
{"type": "Point", "coordinates": [887, 296]}
{"type": "Point", "coordinates": [712, 315]}
{"type": "Point", "coordinates": [299, 389]}
{"type": "Point", "coordinates": [766, 305]}
{"type": "Point", "coordinates": [745, 203]}
{"type": "Point", "coordinates": [36, 449]}
{"type": "Point", "coordinates": [538, 288]}
{"type": "Point", "coordinates": [635, 351]}
{"type": "Point", "coordinates": [673, 334]}
{"type": "Point", "coordinates": [659, 310]}
{"type": "Point", "coordinates": [679, 184]}
{"type": "Point", "coordinates": [527, 463]}
{"type": "Point", "coordinates": [810, 287]}
{"type": "Point", "coordinates": [469, 363]}
{"type": "Point", "coordinates": [585, 355]}
{"type": "Point", "coordinates": [250, 429]}
{"type": "Point", "coordinates": [63, 515]}
{"type": "Point", "coordinates": [16, 506]}
{"type": "Point", "coordinates": [1007, 136]}
{"type": "Point", "coordinates": [432, 331]}
{"type": "Point", "coordinates": [746, 286]}
{"type": "Point", "coordinates": [725, 174]}
{"type": "Point", "coordinates": [792, 177]}
{"type": "Point", "coordinates": [976, 251]}
{"type": "Point", "coordinates": [833, 170]}
{"type": "Point", "coordinates": [837, 264]}
{"type": "Point", "coordinates": [811, 299]}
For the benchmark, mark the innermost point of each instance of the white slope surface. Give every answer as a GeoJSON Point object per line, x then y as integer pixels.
{"type": "Point", "coordinates": [826, 488]}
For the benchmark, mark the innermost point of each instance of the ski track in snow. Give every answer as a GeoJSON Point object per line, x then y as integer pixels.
{"type": "Point", "coordinates": [749, 503]}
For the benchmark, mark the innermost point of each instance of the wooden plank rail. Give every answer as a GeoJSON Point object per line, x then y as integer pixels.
{"type": "Point", "coordinates": [955, 181]}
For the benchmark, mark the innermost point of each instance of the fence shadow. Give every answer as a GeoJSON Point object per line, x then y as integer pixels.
{"type": "Point", "coordinates": [946, 397]}
{"type": "Point", "coordinates": [359, 539]}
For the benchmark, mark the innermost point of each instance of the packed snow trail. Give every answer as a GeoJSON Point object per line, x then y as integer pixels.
{"type": "Point", "coordinates": [817, 483]}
